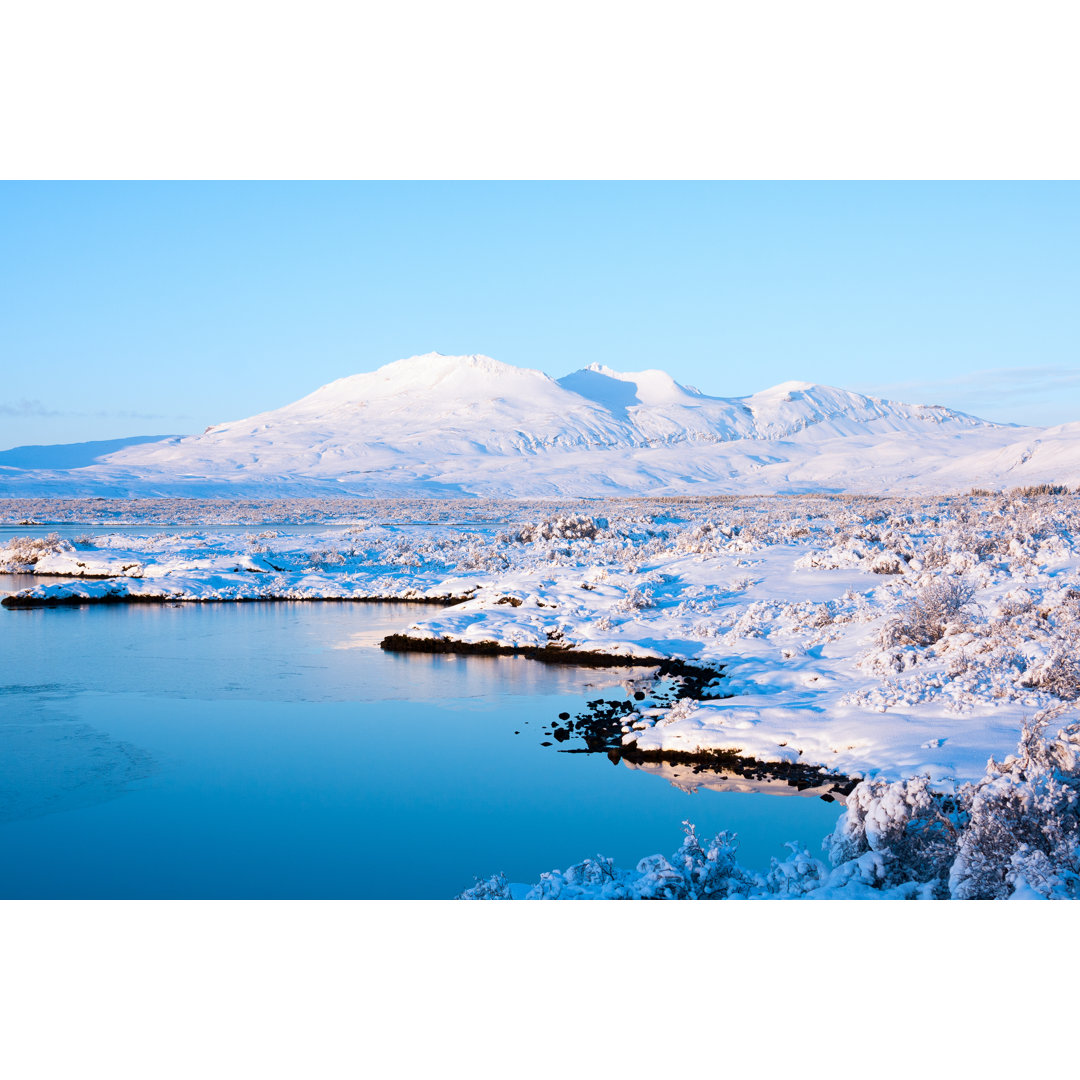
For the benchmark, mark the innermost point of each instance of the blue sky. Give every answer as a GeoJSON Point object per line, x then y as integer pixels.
{"type": "Point", "coordinates": [144, 308]}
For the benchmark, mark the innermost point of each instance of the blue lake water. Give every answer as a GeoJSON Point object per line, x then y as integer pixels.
{"type": "Point", "coordinates": [274, 751]}
{"type": "Point", "coordinates": [69, 530]}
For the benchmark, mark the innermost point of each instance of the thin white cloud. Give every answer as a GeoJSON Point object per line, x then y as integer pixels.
{"type": "Point", "coordinates": [1033, 384]}
{"type": "Point", "coordinates": [34, 407]}
{"type": "Point", "coordinates": [128, 414]}
{"type": "Point", "coordinates": [1044, 395]}
{"type": "Point", "coordinates": [27, 407]}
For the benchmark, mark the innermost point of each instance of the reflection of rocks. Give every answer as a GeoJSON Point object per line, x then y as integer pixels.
{"type": "Point", "coordinates": [603, 723]}
{"type": "Point", "coordinates": [53, 766]}
{"type": "Point", "coordinates": [691, 778]}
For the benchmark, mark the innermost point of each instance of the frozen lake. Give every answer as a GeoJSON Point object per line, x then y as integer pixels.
{"type": "Point", "coordinates": [273, 750]}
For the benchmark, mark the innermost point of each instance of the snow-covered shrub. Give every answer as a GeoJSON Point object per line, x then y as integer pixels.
{"type": "Point", "coordinates": [797, 875]}
{"type": "Point", "coordinates": [682, 709]}
{"type": "Point", "coordinates": [887, 562]}
{"type": "Point", "coordinates": [929, 614]}
{"type": "Point", "coordinates": [1024, 832]}
{"type": "Point", "coordinates": [1039, 489]}
{"type": "Point", "coordinates": [23, 552]}
{"type": "Point", "coordinates": [325, 557]}
{"type": "Point", "coordinates": [1015, 603]}
{"type": "Point", "coordinates": [1058, 674]}
{"type": "Point", "coordinates": [697, 871]}
{"type": "Point", "coordinates": [636, 599]}
{"type": "Point", "coordinates": [495, 887]}
{"type": "Point", "coordinates": [709, 871]}
{"type": "Point", "coordinates": [707, 538]}
{"type": "Point", "coordinates": [593, 879]}
{"type": "Point", "coordinates": [912, 829]}
{"type": "Point", "coordinates": [572, 527]}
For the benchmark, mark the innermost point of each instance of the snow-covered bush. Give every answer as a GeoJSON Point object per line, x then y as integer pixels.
{"type": "Point", "coordinates": [23, 552]}
{"type": "Point", "coordinates": [1014, 833]}
{"type": "Point", "coordinates": [495, 887]}
{"type": "Point", "coordinates": [912, 829]}
{"type": "Point", "coordinates": [929, 614]}
{"type": "Point", "coordinates": [1039, 489]}
{"type": "Point", "coordinates": [800, 873]}
{"type": "Point", "coordinates": [636, 599]}
{"type": "Point", "coordinates": [327, 557]}
{"type": "Point", "coordinates": [571, 527]}
{"type": "Point", "coordinates": [1058, 674]}
{"type": "Point", "coordinates": [710, 871]}
{"type": "Point", "coordinates": [593, 879]}
{"type": "Point", "coordinates": [1024, 831]}
{"type": "Point", "coordinates": [887, 562]}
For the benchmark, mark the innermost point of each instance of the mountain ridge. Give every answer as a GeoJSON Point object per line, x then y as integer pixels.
{"type": "Point", "coordinates": [472, 425]}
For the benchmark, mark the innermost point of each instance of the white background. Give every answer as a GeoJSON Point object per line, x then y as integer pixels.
{"type": "Point", "coordinates": [559, 90]}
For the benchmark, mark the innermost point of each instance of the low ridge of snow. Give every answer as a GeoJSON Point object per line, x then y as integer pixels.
{"type": "Point", "coordinates": [472, 425]}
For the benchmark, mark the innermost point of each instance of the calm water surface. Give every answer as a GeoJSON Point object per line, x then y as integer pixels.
{"type": "Point", "coordinates": [272, 750]}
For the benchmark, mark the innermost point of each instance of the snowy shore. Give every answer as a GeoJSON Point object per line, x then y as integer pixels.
{"type": "Point", "coordinates": [1012, 835]}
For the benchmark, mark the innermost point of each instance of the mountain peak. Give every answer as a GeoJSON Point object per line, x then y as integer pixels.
{"type": "Point", "coordinates": [469, 423]}
{"type": "Point", "coordinates": [623, 389]}
{"type": "Point", "coordinates": [791, 386]}
{"type": "Point", "coordinates": [425, 373]}
{"type": "Point", "coordinates": [465, 360]}
{"type": "Point", "coordinates": [433, 367]}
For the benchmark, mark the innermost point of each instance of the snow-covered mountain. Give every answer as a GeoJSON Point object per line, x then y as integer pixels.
{"type": "Point", "coordinates": [470, 425]}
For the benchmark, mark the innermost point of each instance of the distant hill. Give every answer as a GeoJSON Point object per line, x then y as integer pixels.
{"type": "Point", "coordinates": [470, 425]}
{"type": "Point", "coordinates": [69, 455]}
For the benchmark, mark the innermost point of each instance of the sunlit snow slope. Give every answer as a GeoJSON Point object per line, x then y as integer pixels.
{"type": "Point", "coordinates": [470, 425]}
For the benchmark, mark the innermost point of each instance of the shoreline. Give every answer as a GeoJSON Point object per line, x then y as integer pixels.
{"type": "Point", "coordinates": [802, 777]}
{"type": "Point", "coordinates": [697, 676]}
{"type": "Point", "coordinates": [548, 654]}
{"type": "Point", "coordinates": [17, 602]}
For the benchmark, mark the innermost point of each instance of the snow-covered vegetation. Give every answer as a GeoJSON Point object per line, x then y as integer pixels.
{"type": "Point", "coordinates": [893, 640]}
{"type": "Point", "coordinates": [1013, 834]}
{"type": "Point", "coordinates": [907, 635]}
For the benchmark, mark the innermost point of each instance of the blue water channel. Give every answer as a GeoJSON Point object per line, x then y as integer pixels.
{"type": "Point", "coordinates": [272, 750]}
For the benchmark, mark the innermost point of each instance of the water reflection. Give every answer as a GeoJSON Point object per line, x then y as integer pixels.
{"type": "Point", "coordinates": [690, 778]}
{"type": "Point", "coordinates": [258, 750]}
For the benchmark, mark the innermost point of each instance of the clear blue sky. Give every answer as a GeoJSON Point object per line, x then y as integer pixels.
{"type": "Point", "coordinates": [144, 308]}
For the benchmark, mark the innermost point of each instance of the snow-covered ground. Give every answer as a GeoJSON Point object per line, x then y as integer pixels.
{"type": "Point", "coordinates": [452, 426]}
{"type": "Point", "coordinates": [870, 637]}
